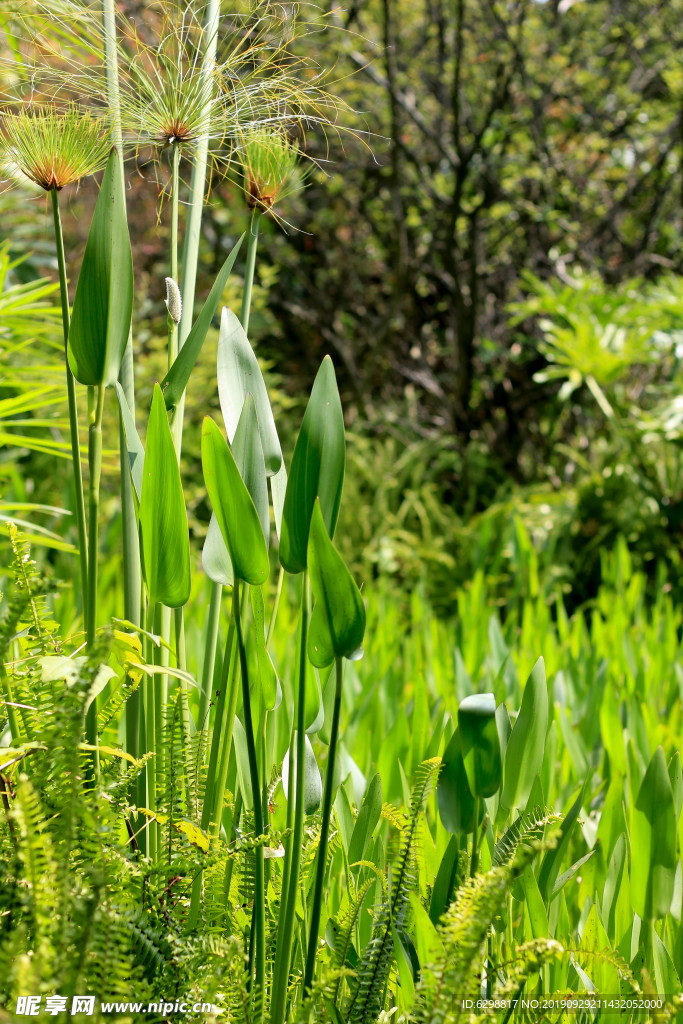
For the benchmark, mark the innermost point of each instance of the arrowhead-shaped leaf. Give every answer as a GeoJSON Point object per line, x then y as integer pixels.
{"type": "Point", "coordinates": [338, 620]}
{"type": "Point", "coordinates": [454, 798]}
{"type": "Point", "coordinates": [234, 508]}
{"type": "Point", "coordinates": [317, 470]}
{"type": "Point", "coordinates": [103, 303]}
{"type": "Point", "coordinates": [480, 743]}
{"type": "Point", "coordinates": [248, 454]}
{"type": "Point", "coordinates": [239, 375]}
{"type": "Point", "coordinates": [653, 842]}
{"type": "Point", "coordinates": [163, 518]}
{"type": "Point", "coordinates": [525, 747]}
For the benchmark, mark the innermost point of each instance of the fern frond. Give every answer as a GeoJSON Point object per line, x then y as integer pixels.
{"type": "Point", "coordinates": [463, 930]}
{"type": "Point", "coordinates": [529, 825]}
{"type": "Point", "coordinates": [373, 970]}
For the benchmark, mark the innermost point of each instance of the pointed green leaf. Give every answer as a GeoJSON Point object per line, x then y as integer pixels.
{"type": "Point", "coordinates": [215, 555]}
{"type": "Point", "coordinates": [175, 381]}
{"type": "Point", "coordinates": [524, 752]}
{"type": "Point", "coordinates": [454, 798]}
{"type": "Point", "coordinates": [653, 842]}
{"type": "Point", "coordinates": [313, 784]}
{"type": "Point", "coordinates": [239, 375]}
{"type": "Point", "coordinates": [480, 744]}
{"type": "Point", "coordinates": [103, 303]}
{"type": "Point", "coordinates": [338, 619]}
{"type": "Point", "coordinates": [163, 518]}
{"type": "Point", "coordinates": [248, 454]}
{"type": "Point", "coordinates": [234, 508]}
{"type": "Point", "coordinates": [249, 458]}
{"type": "Point", "coordinates": [317, 470]}
{"type": "Point", "coordinates": [278, 490]}
{"type": "Point", "coordinates": [446, 879]}
{"type": "Point", "coordinates": [366, 822]}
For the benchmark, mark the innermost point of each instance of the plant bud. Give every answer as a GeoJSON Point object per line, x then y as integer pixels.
{"type": "Point", "coordinates": [174, 304]}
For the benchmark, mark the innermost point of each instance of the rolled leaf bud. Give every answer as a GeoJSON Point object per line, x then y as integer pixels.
{"type": "Point", "coordinates": [174, 303]}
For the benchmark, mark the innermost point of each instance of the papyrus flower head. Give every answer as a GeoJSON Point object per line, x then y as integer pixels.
{"type": "Point", "coordinates": [54, 148]}
{"type": "Point", "coordinates": [270, 168]}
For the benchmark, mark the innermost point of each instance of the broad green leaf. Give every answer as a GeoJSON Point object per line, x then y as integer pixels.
{"type": "Point", "coordinates": [234, 508]}
{"type": "Point", "coordinates": [338, 620]}
{"type": "Point", "coordinates": [653, 842]}
{"type": "Point", "coordinates": [239, 375]}
{"type": "Point", "coordinates": [248, 455]}
{"type": "Point", "coordinates": [71, 670]}
{"type": "Point", "coordinates": [455, 801]}
{"type": "Point", "coordinates": [403, 966]}
{"type": "Point", "coordinates": [524, 753]}
{"type": "Point", "coordinates": [666, 976]}
{"type": "Point", "coordinates": [242, 760]}
{"type": "Point", "coordinates": [446, 879]}
{"type": "Point", "coordinates": [134, 448]}
{"type": "Point", "coordinates": [366, 822]}
{"type": "Point", "coordinates": [103, 303]}
{"type": "Point", "coordinates": [317, 470]}
{"type": "Point", "coordinates": [538, 919]}
{"type": "Point", "coordinates": [314, 706]}
{"type": "Point", "coordinates": [676, 776]}
{"type": "Point", "coordinates": [613, 882]}
{"type": "Point", "coordinates": [215, 555]}
{"type": "Point", "coordinates": [278, 490]}
{"type": "Point", "coordinates": [480, 744]}
{"type": "Point", "coordinates": [313, 783]}
{"type": "Point", "coordinates": [163, 518]}
{"type": "Point", "coordinates": [175, 381]}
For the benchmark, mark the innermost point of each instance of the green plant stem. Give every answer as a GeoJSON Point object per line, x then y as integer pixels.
{"type": "Point", "coordinates": [233, 832]}
{"type": "Point", "coordinates": [276, 605]}
{"type": "Point", "coordinates": [324, 830]}
{"type": "Point", "coordinates": [132, 575]}
{"type": "Point", "coordinates": [95, 468]}
{"type": "Point", "coordinates": [197, 190]}
{"type": "Point", "coordinates": [162, 627]}
{"type": "Point", "coordinates": [176, 420]}
{"type": "Point", "coordinates": [210, 650]}
{"type": "Point", "coordinates": [6, 690]}
{"type": "Point", "coordinates": [219, 725]}
{"type": "Point", "coordinates": [259, 968]}
{"type": "Point", "coordinates": [288, 901]}
{"type": "Point", "coordinates": [181, 663]}
{"type": "Point", "coordinates": [151, 737]}
{"type": "Point", "coordinates": [216, 809]}
{"type": "Point", "coordinates": [474, 860]}
{"type": "Point", "coordinates": [73, 408]}
{"type": "Point", "coordinates": [252, 245]}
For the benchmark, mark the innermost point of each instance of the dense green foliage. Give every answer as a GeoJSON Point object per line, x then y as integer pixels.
{"type": "Point", "coordinates": [342, 709]}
